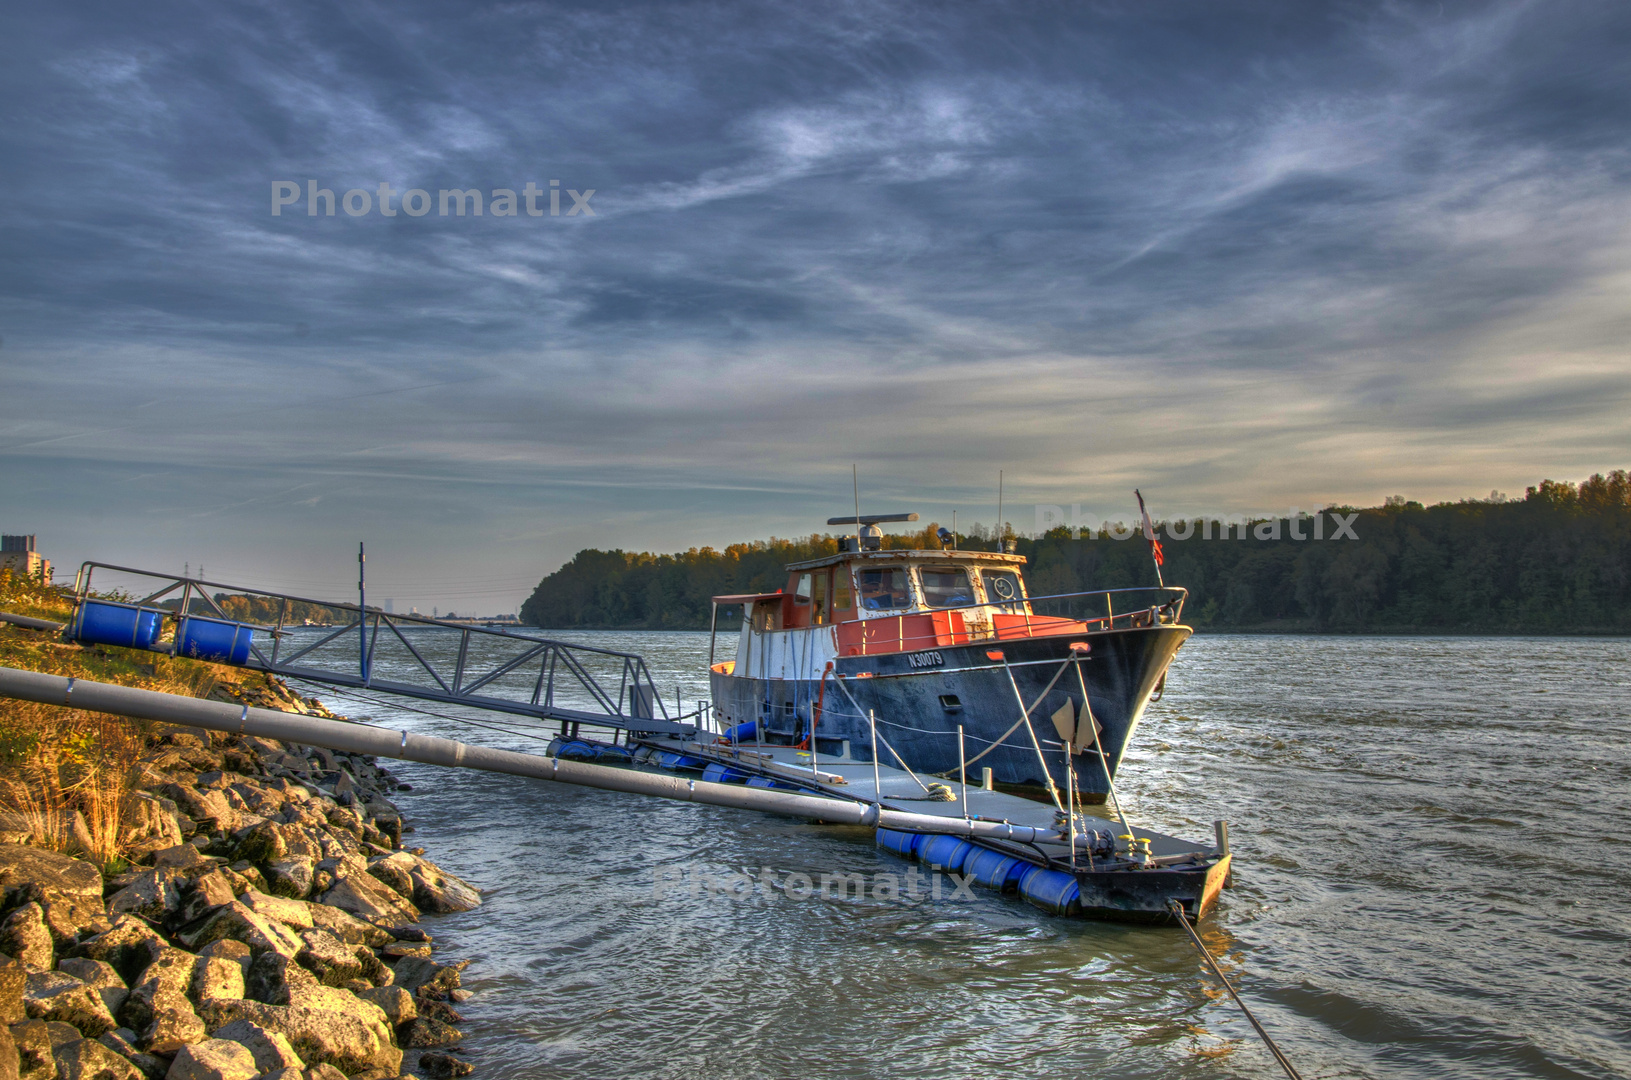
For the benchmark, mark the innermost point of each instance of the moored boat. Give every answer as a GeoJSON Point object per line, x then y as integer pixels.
{"type": "Point", "coordinates": [899, 649]}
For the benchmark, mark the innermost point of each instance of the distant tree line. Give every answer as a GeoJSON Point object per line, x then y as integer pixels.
{"type": "Point", "coordinates": [265, 609]}
{"type": "Point", "coordinates": [1557, 560]}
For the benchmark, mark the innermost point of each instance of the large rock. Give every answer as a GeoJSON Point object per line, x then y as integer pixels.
{"type": "Point", "coordinates": [34, 1058]}
{"type": "Point", "coordinates": [262, 844]}
{"type": "Point", "coordinates": [213, 1059]}
{"type": "Point", "coordinates": [58, 996]}
{"type": "Point", "coordinates": [150, 1066]}
{"type": "Point", "coordinates": [271, 1050]}
{"type": "Point", "coordinates": [370, 900]}
{"type": "Point", "coordinates": [291, 913]}
{"type": "Point", "coordinates": [347, 927]}
{"type": "Point", "coordinates": [396, 1003]}
{"type": "Point", "coordinates": [209, 891]}
{"type": "Point", "coordinates": [396, 871]}
{"type": "Point", "coordinates": [325, 956]}
{"type": "Point", "coordinates": [154, 895]}
{"type": "Point", "coordinates": [323, 1024]}
{"type": "Point", "coordinates": [217, 977]}
{"type": "Point", "coordinates": [180, 857]}
{"type": "Point", "coordinates": [227, 949]}
{"type": "Point", "coordinates": [237, 922]}
{"type": "Point", "coordinates": [8, 1055]}
{"type": "Point", "coordinates": [374, 970]}
{"type": "Point", "coordinates": [209, 809]}
{"type": "Point", "coordinates": [68, 890]}
{"type": "Point", "coordinates": [153, 823]}
{"type": "Point", "coordinates": [428, 1033]}
{"type": "Point", "coordinates": [158, 1008]}
{"type": "Point", "coordinates": [130, 945]}
{"type": "Point", "coordinates": [440, 1066]}
{"type": "Point", "coordinates": [327, 1026]}
{"type": "Point", "coordinates": [416, 974]}
{"type": "Point", "coordinates": [13, 977]}
{"type": "Point", "coordinates": [88, 1059]}
{"type": "Point", "coordinates": [100, 976]}
{"type": "Point", "coordinates": [25, 936]}
{"type": "Point", "coordinates": [438, 891]}
{"type": "Point", "coordinates": [291, 877]}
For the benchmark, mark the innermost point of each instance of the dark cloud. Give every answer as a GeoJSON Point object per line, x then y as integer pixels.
{"type": "Point", "coordinates": [1255, 252]}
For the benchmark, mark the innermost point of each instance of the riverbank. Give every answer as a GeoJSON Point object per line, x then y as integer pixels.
{"type": "Point", "coordinates": [181, 904]}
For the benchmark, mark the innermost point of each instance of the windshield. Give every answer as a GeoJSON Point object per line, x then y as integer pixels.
{"type": "Point", "coordinates": [883, 590]}
{"type": "Point", "coordinates": [945, 586]}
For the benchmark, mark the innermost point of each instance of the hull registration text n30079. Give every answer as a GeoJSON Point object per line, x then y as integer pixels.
{"type": "Point", "coordinates": [926, 659]}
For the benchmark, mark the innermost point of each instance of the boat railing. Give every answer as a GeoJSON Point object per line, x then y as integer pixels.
{"type": "Point", "coordinates": [1094, 611]}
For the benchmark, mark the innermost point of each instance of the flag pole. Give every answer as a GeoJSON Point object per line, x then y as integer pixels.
{"type": "Point", "coordinates": [1149, 534]}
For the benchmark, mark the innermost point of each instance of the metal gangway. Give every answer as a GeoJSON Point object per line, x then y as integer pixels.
{"type": "Point", "coordinates": [547, 679]}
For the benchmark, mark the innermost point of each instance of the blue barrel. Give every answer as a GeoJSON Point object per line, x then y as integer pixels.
{"type": "Point", "coordinates": [946, 853]}
{"type": "Point", "coordinates": [1051, 890]}
{"type": "Point", "coordinates": [666, 759]}
{"type": "Point", "coordinates": [571, 750]}
{"type": "Point", "coordinates": [769, 784]}
{"type": "Point", "coordinates": [743, 732]}
{"type": "Point", "coordinates": [904, 844]}
{"type": "Point", "coordinates": [613, 753]}
{"type": "Point", "coordinates": [721, 774]}
{"type": "Point", "coordinates": [103, 622]}
{"type": "Point", "coordinates": [994, 870]}
{"type": "Point", "coordinates": [215, 640]}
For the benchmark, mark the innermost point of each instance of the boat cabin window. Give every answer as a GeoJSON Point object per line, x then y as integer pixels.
{"type": "Point", "coordinates": [945, 586]}
{"type": "Point", "coordinates": [1001, 586]}
{"type": "Point", "coordinates": [820, 597]}
{"type": "Point", "coordinates": [801, 591]}
{"type": "Point", "coordinates": [883, 590]}
{"type": "Point", "coordinates": [842, 597]}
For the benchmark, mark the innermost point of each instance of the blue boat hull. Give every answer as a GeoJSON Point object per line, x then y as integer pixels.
{"type": "Point", "coordinates": [919, 704]}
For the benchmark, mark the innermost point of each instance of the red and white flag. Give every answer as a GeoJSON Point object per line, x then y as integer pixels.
{"type": "Point", "coordinates": [1149, 531]}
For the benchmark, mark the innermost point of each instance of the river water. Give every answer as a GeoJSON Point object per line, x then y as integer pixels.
{"type": "Point", "coordinates": [1432, 879]}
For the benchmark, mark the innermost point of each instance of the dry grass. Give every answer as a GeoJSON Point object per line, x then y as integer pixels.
{"type": "Point", "coordinates": [67, 775]}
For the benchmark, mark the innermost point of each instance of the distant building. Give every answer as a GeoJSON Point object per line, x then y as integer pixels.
{"type": "Point", "coordinates": [17, 555]}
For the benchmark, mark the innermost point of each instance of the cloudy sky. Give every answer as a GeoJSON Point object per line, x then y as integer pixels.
{"type": "Point", "coordinates": [1242, 256]}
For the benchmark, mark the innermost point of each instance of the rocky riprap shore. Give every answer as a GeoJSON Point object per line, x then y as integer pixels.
{"type": "Point", "coordinates": [267, 928]}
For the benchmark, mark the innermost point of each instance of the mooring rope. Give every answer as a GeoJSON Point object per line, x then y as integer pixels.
{"type": "Point", "coordinates": [1285, 1063]}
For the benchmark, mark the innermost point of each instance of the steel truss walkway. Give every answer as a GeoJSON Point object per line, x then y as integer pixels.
{"type": "Point", "coordinates": [550, 680]}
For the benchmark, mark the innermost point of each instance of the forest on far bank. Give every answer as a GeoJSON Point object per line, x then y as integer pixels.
{"type": "Point", "coordinates": [1556, 561]}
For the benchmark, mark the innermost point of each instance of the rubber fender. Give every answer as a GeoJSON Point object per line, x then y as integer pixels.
{"type": "Point", "coordinates": [946, 853]}
{"type": "Point", "coordinates": [994, 870]}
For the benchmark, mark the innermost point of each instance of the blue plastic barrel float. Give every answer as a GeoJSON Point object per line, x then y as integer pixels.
{"type": "Point", "coordinates": [571, 749]}
{"type": "Point", "coordinates": [904, 844]}
{"type": "Point", "coordinates": [1051, 890]}
{"type": "Point", "coordinates": [743, 732]}
{"type": "Point", "coordinates": [769, 784]}
{"type": "Point", "coordinates": [105, 622]}
{"type": "Point", "coordinates": [215, 640]}
{"type": "Point", "coordinates": [722, 774]}
{"type": "Point", "coordinates": [667, 759]}
{"type": "Point", "coordinates": [995, 870]}
{"type": "Point", "coordinates": [944, 852]}
{"type": "Point", "coordinates": [614, 754]}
